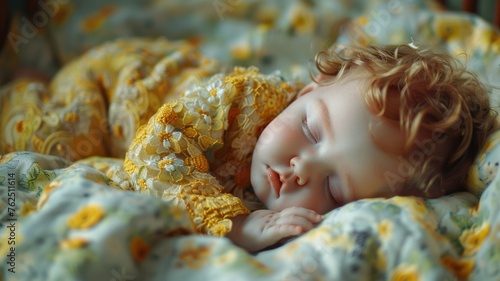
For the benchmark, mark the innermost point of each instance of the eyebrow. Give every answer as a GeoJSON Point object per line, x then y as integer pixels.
{"type": "Point", "coordinates": [324, 114]}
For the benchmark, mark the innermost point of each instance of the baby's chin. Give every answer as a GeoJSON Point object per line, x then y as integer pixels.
{"type": "Point", "coordinates": [259, 192]}
{"type": "Point", "coordinates": [275, 205]}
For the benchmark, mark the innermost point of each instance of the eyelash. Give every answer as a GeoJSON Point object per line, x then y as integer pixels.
{"type": "Point", "coordinates": [328, 190]}
{"type": "Point", "coordinates": [307, 132]}
{"type": "Point", "coordinates": [309, 135]}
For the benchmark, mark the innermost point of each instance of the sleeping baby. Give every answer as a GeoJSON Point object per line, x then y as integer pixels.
{"type": "Point", "coordinates": [376, 122]}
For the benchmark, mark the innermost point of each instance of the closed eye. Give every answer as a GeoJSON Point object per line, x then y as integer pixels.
{"type": "Point", "coordinates": [332, 183]}
{"type": "Point", "coordinates": [307, 131]}
{"type": "Point", "coordinates": [328, 190]}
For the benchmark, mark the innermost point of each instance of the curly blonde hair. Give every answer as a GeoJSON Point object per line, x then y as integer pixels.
{"type": "Point", "coordinates": [424, 94]}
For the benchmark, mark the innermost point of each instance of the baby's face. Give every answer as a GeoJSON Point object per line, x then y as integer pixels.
{"type": "Point", "coordinates": [319, 154]}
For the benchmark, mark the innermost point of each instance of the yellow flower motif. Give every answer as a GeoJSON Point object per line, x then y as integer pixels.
{"type": "Point", "coordinates": [414, 204]}
{"type": "Point", "coordinates": [73, 243]}
{"type": "Point", "coordinates": [193, 256]}
{"type": "Point", "coordinates": [362, 20]}
{"type": "Point", "coordinates": [237, 81]}
{"type": "Point", "coordinates": [343, 241]}
{"type": "Point", "coordinates": [495, 43]}
{"type": "Point", "coordinates": [142, 184]}
{"type": "Point", "coordinates": [268, 101]}
{"type": "Point", "coordinates": [241, 51]}
{"type": "Point", "coordinates": [381, 262]}
{"type": "Point", "coordinates": [96, 20]}
{"type": "Point", "coordinates": [190, 132]}
{"type": "Point", "coordinates": [129, 166]}
{"type": "Point", "coordinates": [267, 16]}
{"type": "Point", "coordinates": [199, 162]}
{"type": "Point", "coordinates": [460, 267]}
{"type": "Point", "coordinates": [86, 217]}
{"type": "Point", "coordinates": [328, 239]}
{"type": "Point", "coordinates": [473, 238]}
{"type": "Point", "coordinates": [451, 29]}
{"type": "Point", "coordinates": [302, 19]}
{"type": "Point", "coordinates": [166, 115]}
{"type": "Point", "coordinates": [287, 87]}
{"type": "Point", "coordinates": [385, 229]}
{"type": "Point", "coordinates": [481, 38]}
{"type": "Point", "coordinates": [229, 257]}
{"type": "Point", "coordinates": [260, 266]}
{"type": "Point", "coordinates": [169, 137]}
{"type": "Point", "coordinates": [473, 182]}
{"type": "Point", "coordinates": [5, 158]}
{"type": "Point", "coordinates": [46, 192]}
{"type": "Point", "coordinates": [405, 272]}
{"type": "Point", "coordinates": [206, 142]}
{"type": "Point", "coordinates": [27, 208]}
{"type": "Point", "coordinates": [170, 163]}
{"type": "Point", "coordinates": [140, 135]}
{"type": "Point", "coordinates": [71, 117]}
{"type": "Point", "coordinates": [218, 228]}
{"type": "Point", "coordinates": [139, 249]}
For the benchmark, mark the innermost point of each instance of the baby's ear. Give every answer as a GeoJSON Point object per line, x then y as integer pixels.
{"type": "Point", "coordinates": [313, 85]}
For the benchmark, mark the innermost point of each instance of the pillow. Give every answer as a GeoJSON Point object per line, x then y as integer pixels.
{"type": "Point", "coordinates": [485, 167]}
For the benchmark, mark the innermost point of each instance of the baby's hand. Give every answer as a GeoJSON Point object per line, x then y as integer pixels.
{"type": "Point", "coordinates": [264, 228]}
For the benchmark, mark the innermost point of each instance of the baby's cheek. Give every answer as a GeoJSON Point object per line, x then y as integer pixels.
{"type": "Point", "coordinates": [271, 132]}
{"type": "Point", "coordinates": [280, 130]}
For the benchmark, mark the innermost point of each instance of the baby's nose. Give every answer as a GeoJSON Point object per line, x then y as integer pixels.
{"type": "Point", "coordinates": [291, 177]}
{"type": "Point", "coordinates": [300, 170]}
{"type": "Point", "coordinates": [300, 180]}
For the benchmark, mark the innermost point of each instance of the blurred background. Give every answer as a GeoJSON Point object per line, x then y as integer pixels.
{"type": "Point", "coordinates": [37, 37]}
{"type": "Point", "coordinates": [485, 9]}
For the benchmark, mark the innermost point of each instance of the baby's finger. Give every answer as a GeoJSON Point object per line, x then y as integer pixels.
{"type": "Point", "coordinates": [302, 222]}
{"type": "Point", "coordinates": [303, 212]}
{"type": "Point", "coordinates": [278, 232]}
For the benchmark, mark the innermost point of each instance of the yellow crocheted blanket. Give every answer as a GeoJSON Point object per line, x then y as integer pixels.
{"type": "Point", "coordinates": [184, 126]}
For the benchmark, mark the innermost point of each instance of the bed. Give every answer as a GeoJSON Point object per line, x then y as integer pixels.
{"type": "Point", "coordinates": [65, 216]}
